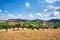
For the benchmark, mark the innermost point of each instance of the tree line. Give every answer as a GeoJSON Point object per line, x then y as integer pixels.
{"type": "Point", "coordinates": [30, 26]}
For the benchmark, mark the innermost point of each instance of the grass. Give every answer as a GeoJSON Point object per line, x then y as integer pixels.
{"type": "Point", "coordinates": [28, 34]}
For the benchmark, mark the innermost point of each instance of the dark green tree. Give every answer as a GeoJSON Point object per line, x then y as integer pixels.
{"type": "Point", "coordinates": [13, 27]}
{"type": "Point", "coordinates": [37, 28]}
{"type": "Point", "coordinates": [31, 26]}
{"type": "Point", "coordinates": [18, 26]}
{"type": "Point", "coordinates": [6, 27]}
{"type": "Point", "coordinates": [23, 26]}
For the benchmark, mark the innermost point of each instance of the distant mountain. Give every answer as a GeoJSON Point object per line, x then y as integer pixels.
{"type": "Point", "coordinates": [24, 20]}
{"type": "Point", "coordinates": [36, 20]}
{"type": "Point", "coordinates": [18, 20]}
{"type": "Point", "coordinates": [54, 20]}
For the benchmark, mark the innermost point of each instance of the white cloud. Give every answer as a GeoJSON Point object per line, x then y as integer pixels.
{"type": "Point", "coordinates": [27, 4]}
{"type": "Point", "coordinates": [47, 15]}
{"type": "Point", "coordinates": [20, 15]}
{"type": "Point", "coordinates": [52, 12]}
{"type": "Point", "coordinates": [50, 1]}
{"type": "Point", "coordinates": [38, 14]}
{"type": "Point", "coordinates": [3, 16]}
{"type": "Point", "coordinates": [56, 13]}
{"type": "Point", "coordinates": [57, 7]}
{"type": "Point", "coordinates": [51, 8]}
{"type": "Point", "coordinates": [0, 10]}
{"type": "Point", "coordinates": [45, 10]}
{"type": "Point", "coordinates": [31, 16]}
{"type": "Point", "coordinates": [11, 15]}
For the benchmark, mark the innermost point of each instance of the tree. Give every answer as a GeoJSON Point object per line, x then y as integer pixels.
{"type": "Point", "coordinates": [23, 26]}
{"type": "Point", "coordinates": [18, 26]}
{"type": "Point", "coordinates": [31, 26]}
{"type": "Point", "coordinates": [6, 27]}
{"type": "Point", "coordinates": [1, 27]}
{"type": "Point", "coordinates": [37, 28]}
{"type": "Point", "coordinates": [13, 27]}
{"type": "Point", "coordinates": [55, 26]}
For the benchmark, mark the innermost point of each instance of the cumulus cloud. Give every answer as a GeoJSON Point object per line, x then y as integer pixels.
{"type": "Point", "coordinates": [58, 9]}
{"type": "Point", "coordinates": [31, 16]}
{"type": "Point", "coordinates": [11, 15]}
{"type": "Point", "coordinates": [20, 15]}
{"type": "Point", "coordinates": [52, 12]}
{"type": "Point", "coordinates": [50, 1]}
{"type": "Point", "coordinates": [56, 13]}
{"type": "Point", "coordinates": [3, 16]}
{"type": "Point", "coordinates": [27, 5]}
{"type": "Point", "coordinates": [52, 15]}
{"type": "Point", "coordinates": [45, 10]}
{"type": "Point", "coordinates": [8, 15]}
{"type": "Point", "coordinates": [47, 15]}
{"type": "Point", "coordinates": [38, 14]}
{"type": "Point", "coordinates": [51, 8]}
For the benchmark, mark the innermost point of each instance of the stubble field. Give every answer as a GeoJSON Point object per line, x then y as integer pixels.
{"type": "Point", "coordinates": [28, 34]}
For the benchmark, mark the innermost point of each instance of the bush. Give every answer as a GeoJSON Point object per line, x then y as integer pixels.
{"type": "Point", "coordinates": [13, 27]}
{"type": "Point", "coordinates": [1, 27]}
{"type": "Point", "coordinates": [32, 28]}
{"type": "Point", "coordinates": [37, 28]}
{"type": "Point", "coordinates": [55, 27]}
{"type": "Point", "coordinates": [5, 27]}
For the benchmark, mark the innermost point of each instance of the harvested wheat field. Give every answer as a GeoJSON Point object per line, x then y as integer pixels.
{"type": "Point", "coordinates": [28, 34]}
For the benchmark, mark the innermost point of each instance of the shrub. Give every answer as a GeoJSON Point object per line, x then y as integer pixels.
{"type": "Point", "coordinates": [37, 28]}
{"type": "Point", "coordinates": [5, 27]}
{"type": "Point", "coordinates": [1, 27]}
{"type": "Point", "coordinates": [32, 28]}
{"type": "Point", "coordinates": [55, 27]}
{"type": "Point", "coordinates": [13, 27]}
{"type": "Point", "coordinates": [18, 26]}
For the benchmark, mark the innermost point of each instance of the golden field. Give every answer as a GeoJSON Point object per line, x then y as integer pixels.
{"type": "Point", "coordinates": [28, 34]}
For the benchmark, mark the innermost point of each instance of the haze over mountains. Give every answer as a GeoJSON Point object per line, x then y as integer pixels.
{"type": "Point", "coordinates": [24, 20]}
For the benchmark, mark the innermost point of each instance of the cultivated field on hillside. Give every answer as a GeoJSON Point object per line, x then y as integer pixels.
{"type": "Point", "coordinates": [28, 34]}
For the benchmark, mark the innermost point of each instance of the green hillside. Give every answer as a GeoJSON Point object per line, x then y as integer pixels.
{"type": "Point", "coordinates": [29, 24]}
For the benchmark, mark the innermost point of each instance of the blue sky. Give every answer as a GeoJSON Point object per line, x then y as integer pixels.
{"type": "Point", "coordinates": [29, 9]}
